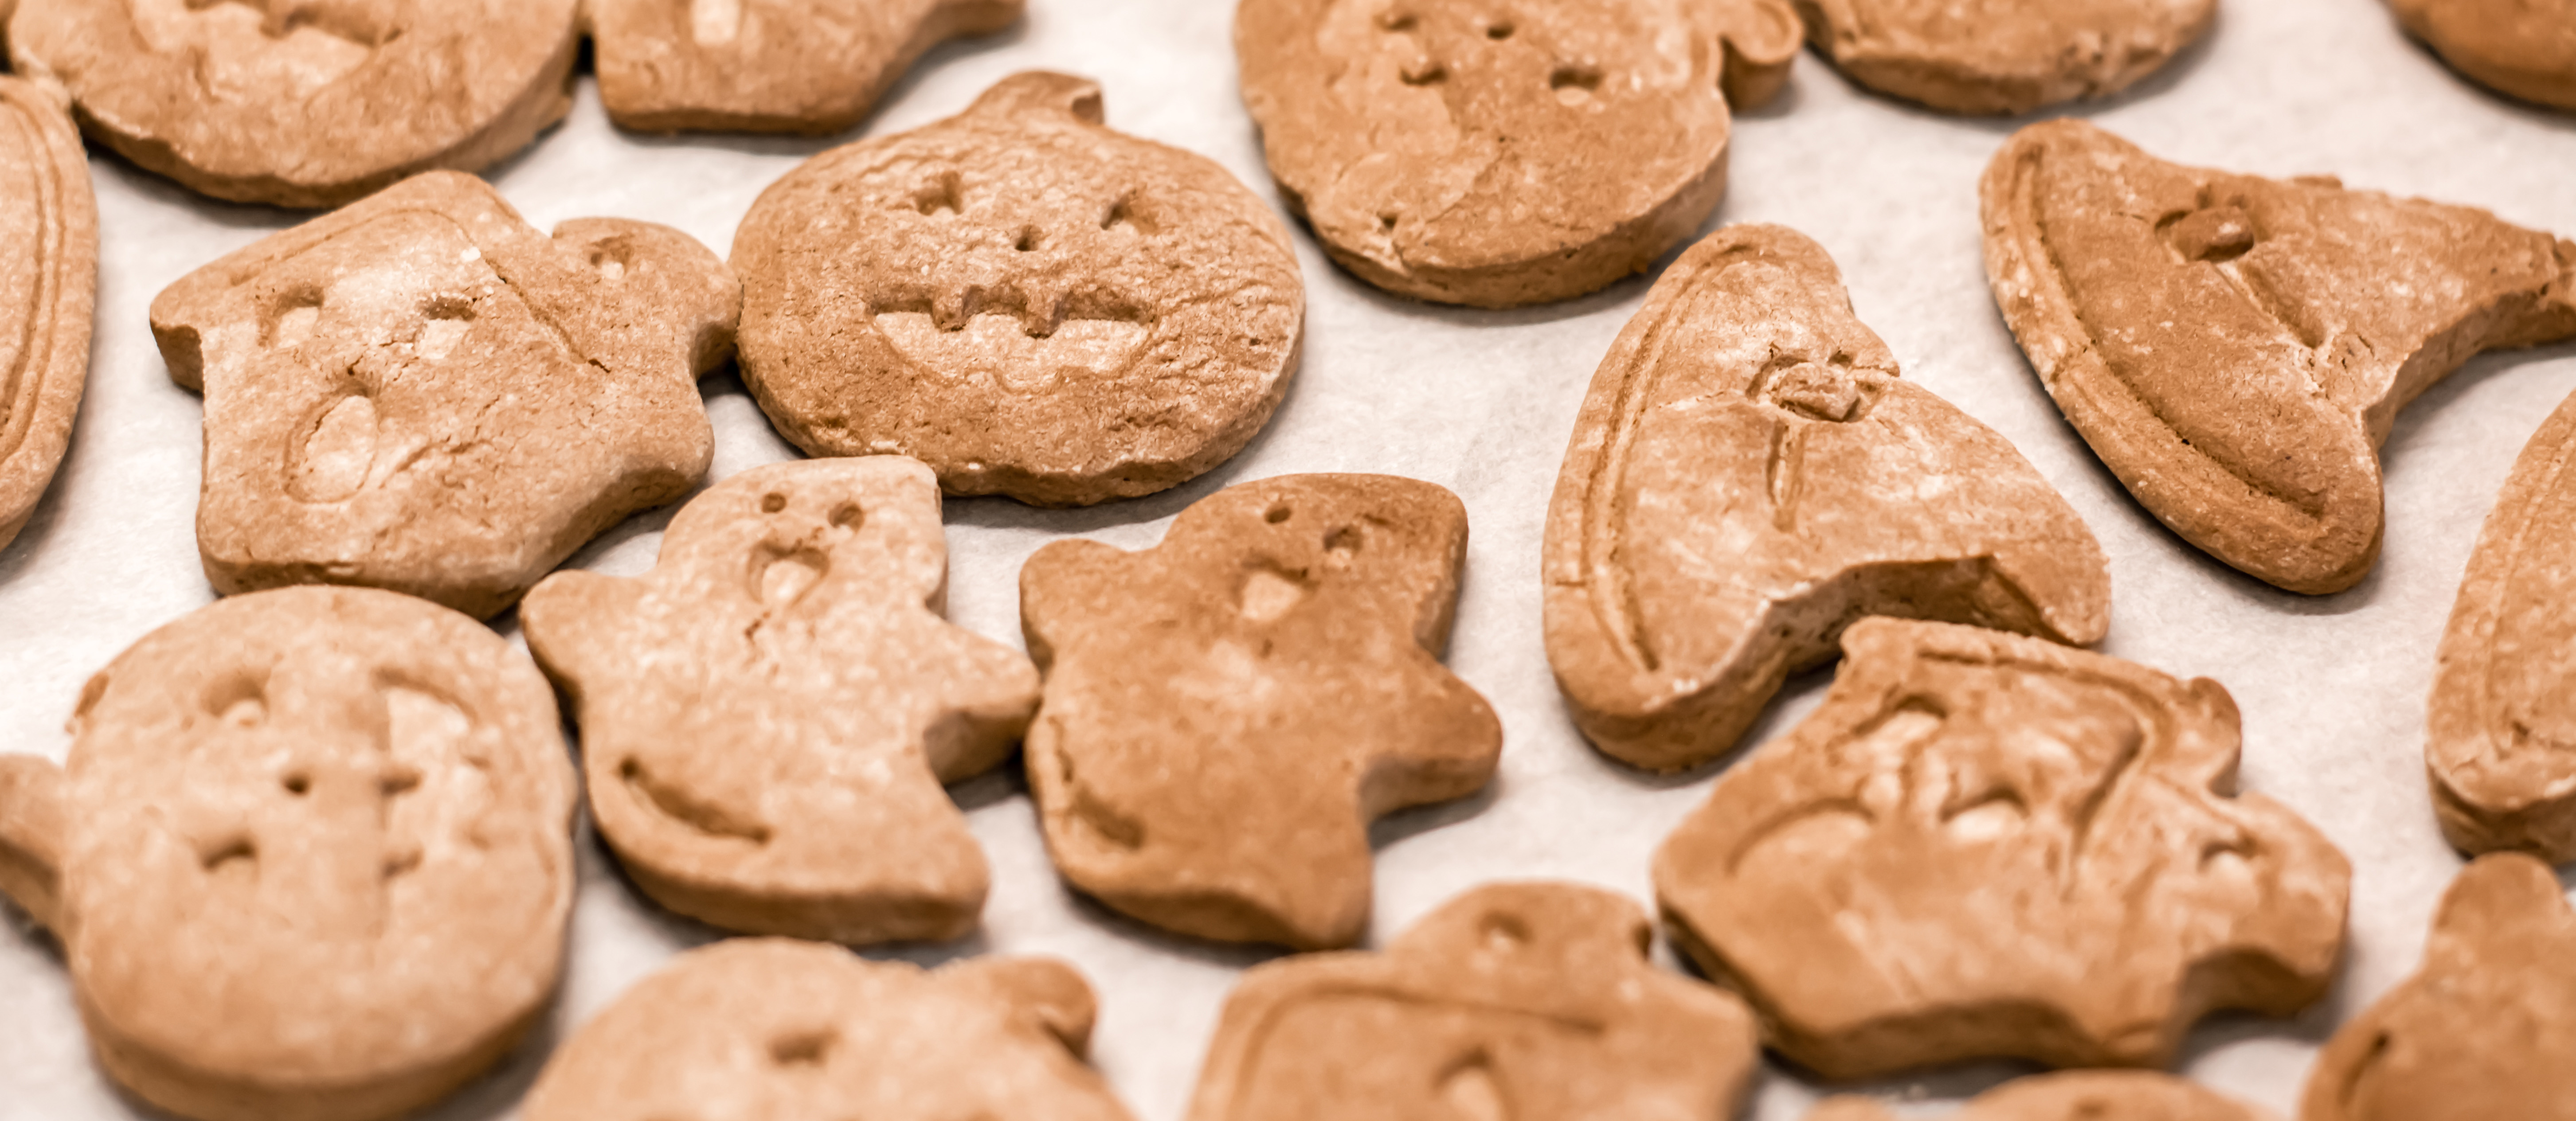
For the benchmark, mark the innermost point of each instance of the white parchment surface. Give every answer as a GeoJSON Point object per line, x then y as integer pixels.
{"type": "Point", "coordinates": [1481, 402]}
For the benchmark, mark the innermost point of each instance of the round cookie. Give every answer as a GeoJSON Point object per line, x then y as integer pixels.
{"type": "Point", "coordinates": [2525, 48]}
{"type": "Point", "coordinates": [1027, 301]}
{"type": "Point", "coordinates": [306, 103]}
{"type": "Point", "coordinates": [1474, 152]}
{"type": "Point", "coordinates": [2003, 56]}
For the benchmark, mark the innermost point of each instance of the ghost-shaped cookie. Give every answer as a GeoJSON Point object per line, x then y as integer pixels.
{"type": "Point", "coordinates": [1498, 152]}
{"type": "Point", "coordinates": [2526, 48]}
{"type": "Point", "coordinates": [47, 280]}
{"type": "Point", "coordinates": [1985, 845]}
{"type": "Point", "coordinates": [1227, 711]}
{"type": "Point", "coordinates": [2484, 1029]}
{"type": "Point", "coordinates": [306, 103]}
{"type": "Point", "coordinates": [768, 1029]}
{"type": "Point", "coordinates": [2003, 56]}
{"type": "Point", "coordinates": [310, 858]}
{"type": "Point", "coordinates": [1031, 303]}
{"type": "Point", "coordinates": [766, 718]}
{"type": "Point", "coordinates": [1747, 476]}
{"type": "Point", "coordinates": [804, 66]}
{"type": "Point", "coordinates": [1528, 1001]}
{"type": "Point", "coordinates": [2081, 1095]}
{"type": "Point", "coordinates": [422, 393]}
{"type": "Point", "coordinates": [2235, 348]}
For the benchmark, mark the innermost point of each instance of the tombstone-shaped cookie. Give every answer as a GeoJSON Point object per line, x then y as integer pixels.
{"type": "Point", "coordinates": [422, 393]}
{"type": "Point", "coordinates": [2484, 1029]}
{"type": "Point", "coordinates": [2235, 348]}
{"type": "Point", "coordinates": [1985, 845]}
{"type": "Point", "coordinates": [2003, 56]}
{"type": "Point", "coordinates": [767, 716]}
{"type": "Point", "coordinates": [2108, 1095]}
{"type": "Point", "coordinates": [1493, 153]}
{"type": "Point", "coordinates": [808, 66]}
{"type": "Point", "coordinates": [47, 280]}
{"type": "Point", "coordinates": [1529, 1001]}
{"type": "Point", "coordinates": [2526, 48]}
{"type": "Point", "coordinates": [310, 858]}
{"type": "Point", "coordinates": [1227, 711]}
{"type": "Point", "coordinates": [308, 103]}
{"type": "Point", "coordinates": [1748, 475]}
{"type": "Point", "coordinates": [1031, 303]}
{"type": "Point", "coordinates": [768, 1029]}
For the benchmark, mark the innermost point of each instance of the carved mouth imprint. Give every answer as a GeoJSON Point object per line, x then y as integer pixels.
{"type": "Point", "coordinates": [992, 331]}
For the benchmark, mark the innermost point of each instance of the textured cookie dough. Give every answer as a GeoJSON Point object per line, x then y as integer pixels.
{"type": "Point", "coordinates": [47, 278]}
{"type": "Point", "coordinates": [2235, 348]}
{"type": "Point", "coordinates": [802, 66]}
{"type": "Point", "coordinates": [2121, 1095]}
{"type": "Point", "coordinates": [766, 718]}
{"type": "Point", "coordinates": [310, 859]}
{"type": "Point", "coordinates": [2003, 56]}
{"type": "Point", "coordinates": [2526, 48]}
{"type": "Point", "coordinates": [1495, 154]}
{"type": "Point", "coordinates": [2484, 1029]}
{"type": "Point", "coordinates": [1747, 476]}
{"type": "Point", "coordinates": [1985, 845]}
{"type": "Point", "coordinates": [767, 1029]}
{"type": "Point", "coordinates": [1528, 1001]}
{"type": "Point", "coordinates": [1227, 711]}
{"type": "Point", "coordinates": [1029, 302]}
{"type": "Point", "coordinates": [306, 103]}
{"type": "Point", "coordinates": [419, 392]}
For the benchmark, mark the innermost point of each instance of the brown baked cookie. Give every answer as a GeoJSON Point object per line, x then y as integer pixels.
{"type": "Point", "coordinates": [2483, 1031]}
{"type": "Point", "coordinates": [766, 717]}
{"type": "Point", "coordinates": [47, 279]}
{"type": "Point", "coordinates": [2088, 1095]}
{"type": "Point", "coordinates": [2003, 56]}
{"type": "Point", "coordinates": [422, 393]}
{"type": "Point", "coordinates": [805, 66]}
{"type": "Point", "coordinates": [1985, 845]}
{"type": "Point", "coordinates": [308, 103]}
{"type": "Point", "coordinates": [1227, 711]}
{"type": "Point", "coordinates": [1500, 153]}
{"type": "Point", "coordinates": [2526, 48]}
{"type": "Point", "coordinates": [767, 1029]}
{"type": "Point", "coordinates": [1748, 475]}
{"type": "Point", "coordinates": [1029, 302]}
{"type": "Point", "coordinates": [310, 859]}
{"type": "Point", "coordinates": [2235, 348]}
{"type": "Point", "coordinates": [1528, 1001]}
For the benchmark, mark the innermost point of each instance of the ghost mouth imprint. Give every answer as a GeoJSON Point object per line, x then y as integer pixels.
{"type": "Point", "coordinates": [1000, 333]}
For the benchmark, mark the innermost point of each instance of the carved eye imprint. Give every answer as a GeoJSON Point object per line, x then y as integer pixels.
{"type": "Point", "coordinates": [848, 515]}
{"type": "Point", "coordinates": [1499, 30]}
{"type": "Point", "coordinates": [807, 1048]}
{"type": "Point", "coordinates": [239, 700]}
{"type": "Point", "coordinates": [1029, 240]}
{"type": "Point", "coordinates": [1504, 933]}
{"type": "Point", "coordinates": [1123, 214]}
{"type": "Point", "coordinates": [773, 502]}
{"type": "Point", "coordinates": [1278, 514]}
{"type": "Point", "coordinates": [1424, 72]}
{"type": "Point", "coordinates": [1343, 541]}
{"type": "Point", "coordinates": [290, 318]}
{"type": "Point", "coordinates": [946, 193]}
{"type": "Point", "coordinates": [297, 783]}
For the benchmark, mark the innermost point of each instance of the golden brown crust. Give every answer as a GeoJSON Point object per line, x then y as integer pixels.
{"type": "Point", "coordinates": [47, 281]}
{"type": "Point", "coordinates": [800, 66]}
{"type": "Point", "coordinates": [2003, 56]}
{"type": "Point", "coordinates": [2524, 48]}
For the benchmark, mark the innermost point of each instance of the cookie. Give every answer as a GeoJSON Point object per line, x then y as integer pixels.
{"type": "Point", "coordinates": [46, 285]}
{"type": "Point", "coordinates": [1227, 711]}
{"type": "Point", "coordinates": [1526, 1000]}
{"type": "Point", "coordinates": [1985, 845]}
{"type": "Point", "coordinates": [2526, 48]}
{"type": "Point", "coordinates": [1027, 301]}
{"type": "Point", "coordinates": [2235, 348]}
{"type": "Point", "coordinates": [2003, 56]}
{"type": "Point", "coordinates": [767, 717]}
{"type": "Point", "coordinates": [1747, 476]}
{"type": "Point", "coordinates": [2483, 1030]}
{"type": "Point", "coordinates": [801, 66]}
{"type": "Point", "coordinates": [310, 859]}
{"type": "Point", "coordinates": [420, 392]}
{"type": "Point", "coordinates": [2106, 1095]}
{"type": "Point", "coordinates": [1495, 155]}
{"type": "Point", "coordinates": [759, 1028]}
{"type": "Point", "coordinates": [306, 103]}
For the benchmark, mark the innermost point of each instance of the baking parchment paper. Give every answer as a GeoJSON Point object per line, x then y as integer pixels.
{"type": "Point", "coordinates": [1481, 402]}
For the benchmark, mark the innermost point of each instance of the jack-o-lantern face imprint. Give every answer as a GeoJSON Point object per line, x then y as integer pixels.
{"type": "Point", "coordinates": [2526, 48]}
{"type": "Point", "coordinates": [808, 66]}
{"type": "Point", "coordinates": [766, 719]}
{"type": "Point", "coordinates": [308, 103]}
{"type": "Point", "coordinates": [1500, 153]}
{"type": "Point", "coordinates": [1988, 845]}
{"type": "Point", "coordinates": [1032, 304]}
{"type": "Point", "coordinates": [311, 855]}
{"type": "Point", "coordinates": [50, 220]}
{"type": "Point", "coordinates": [1528, 1001]}
{"type": "Point", "coordinates": [2004, 56]}
{"type": "Point", "coordinates": [421, 393]}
